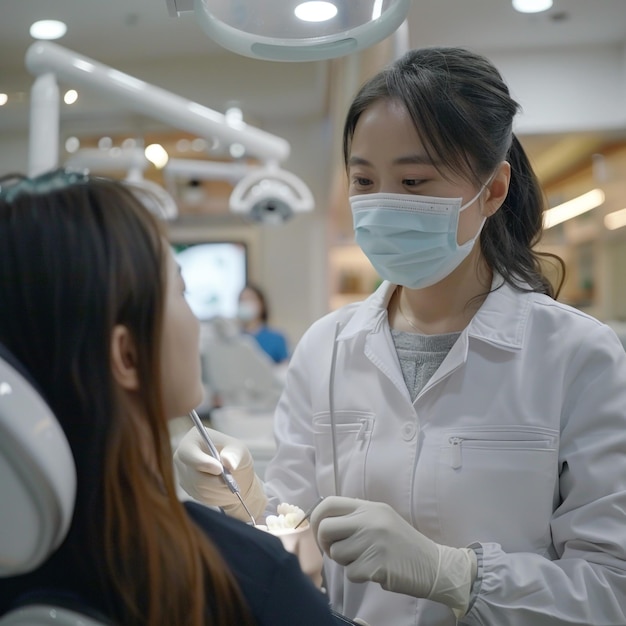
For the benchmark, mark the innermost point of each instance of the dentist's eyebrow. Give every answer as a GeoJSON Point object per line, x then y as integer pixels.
{"type": "Point", "coordinates": [415, 159]}
{"type": "Point", "coordinates": [354, 160]}
{"type": "Point", "coordinates": [409, 159]}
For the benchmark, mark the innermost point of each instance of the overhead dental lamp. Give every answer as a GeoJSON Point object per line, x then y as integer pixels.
{"type": "Point", "coordinates": [295, 30]}
{"type": "Point", "coordinates": [270, 195]}
{"type": "Point", "coordinates": [262, 193]}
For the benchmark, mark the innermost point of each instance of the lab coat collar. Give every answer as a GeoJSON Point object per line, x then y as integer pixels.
{"type": "Point", "coordinates": [370, 313]}
{"type": "Point", "coordinates": [500, 321]}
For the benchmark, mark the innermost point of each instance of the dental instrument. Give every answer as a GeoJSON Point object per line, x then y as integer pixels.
{"type": "Point", "coordinates": [229, 479]}
{"type": "Point", "coordinates": [308, 512]}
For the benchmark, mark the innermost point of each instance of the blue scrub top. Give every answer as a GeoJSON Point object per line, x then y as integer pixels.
{"type": "Point", "coordinates": [273, 343]}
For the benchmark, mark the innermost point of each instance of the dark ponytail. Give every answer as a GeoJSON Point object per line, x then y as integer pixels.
{"type": "Point", "coordinates": [510, 234]}
{"type": "Point", "coordinates": [463, 113]}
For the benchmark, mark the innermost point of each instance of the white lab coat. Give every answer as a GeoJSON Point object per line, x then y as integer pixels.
{"type": "Point", "coordinates": [517, 445]}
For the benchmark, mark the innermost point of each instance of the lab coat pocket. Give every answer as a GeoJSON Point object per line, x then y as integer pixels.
{"type": "Point", "coordinates": [498, 484]}
{"type": "Point", "coordinates": [353, 431]}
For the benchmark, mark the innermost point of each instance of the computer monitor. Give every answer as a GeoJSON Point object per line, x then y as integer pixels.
{"type": "Point", "coordinates": [214, 272]}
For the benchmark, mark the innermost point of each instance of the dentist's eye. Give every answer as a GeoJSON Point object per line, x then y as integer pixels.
{"type": "Point", "coordinates": [360, 181]}
{"type": "Point", "coordinates": [412, 182]}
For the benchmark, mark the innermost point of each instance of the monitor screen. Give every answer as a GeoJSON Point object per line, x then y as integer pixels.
{"type": "Point", "coordinates": [214, 273]}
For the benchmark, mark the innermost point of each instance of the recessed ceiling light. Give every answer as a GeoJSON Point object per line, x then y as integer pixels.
{"type": "Point", "coordinates": [236, 150]}
{"type": "Point", "coordinates": [234, 116]}
{"type": "Point", "coordinates": [531, 6]}
{"type": "Point", "coordinates": [72, 144]}
{"type": "Point", "coordinates": [315, 11]}
{"type": "Point", "coordinates": [157, 155]}
{"type": "Point", "coordinates": [105, 143]}
{"type": "Point", "coordinates": [615, 220]}
{"type": "Point", "coordinates": [71, 95]}
{"type": "Point", "coordinates": [183, 145]}
{"type": "Point", "coordinates": [567, 210]}
{"type": "Point", "coordinates": [48, 29]}
{"type": "Point", "coordinates": [199, 144]}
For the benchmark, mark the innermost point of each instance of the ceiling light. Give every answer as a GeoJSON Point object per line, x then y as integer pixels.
{"type": "Point", "coordinates": [234, 117]}
{"type": "Point", "coordinates": [71, 95]}
{"type": "Point", "coordinates": [47, 29]}
{"type": "Point", "coordinates": [72, 144]}
{"type": "Point", "coordinates": [157, 155]}
{"type": "Point", "coordinates": [315, 11]}
{"type": "Point", "coordinates": [3, 99]}
{"type": "Point", "coordinates": [199, 144]}
{"type": "Point", "coordinates": [532, 6]}
{"type": "Point", "coordinates": [183, 145]}
{"type": "Point", "coordinates": [236, 150]}
{"type": "Point", "coordinates": [572, 208]}
{"type": "Point", "coordinates": [105, 143]}
{"type": "Point", "coordinates": [615, 220]}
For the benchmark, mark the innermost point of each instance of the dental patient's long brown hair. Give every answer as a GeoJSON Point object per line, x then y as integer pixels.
{"type": "Point", "coordinates": [74, 262]}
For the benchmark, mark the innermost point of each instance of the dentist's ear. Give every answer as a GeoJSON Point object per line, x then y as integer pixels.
{"type": "Point", "coordinates": [497, 189]}
{"type": "Point", "coordinates": [124, 359]}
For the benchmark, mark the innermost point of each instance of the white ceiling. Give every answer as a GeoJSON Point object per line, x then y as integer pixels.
{"type": "Point", "coordinates": [124, 33]}
{"type": "Point", "coordinates": [119, 30]}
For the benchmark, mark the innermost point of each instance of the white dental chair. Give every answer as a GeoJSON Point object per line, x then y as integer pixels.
{"type": "Point", "coordinates": [37, 491]}
{"type": "Point", "coordinates": [236, 369]}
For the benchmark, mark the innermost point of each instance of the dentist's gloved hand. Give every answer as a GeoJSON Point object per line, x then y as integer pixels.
{"type": "Point", "coordinates": [199, 474]}
{"type": "Point", "coordinates": [375, 544]}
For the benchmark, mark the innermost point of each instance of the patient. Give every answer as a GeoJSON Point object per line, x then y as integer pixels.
{"type": "Point", "coordinates": [92, 304]}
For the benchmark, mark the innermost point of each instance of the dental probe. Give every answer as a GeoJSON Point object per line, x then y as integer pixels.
{"type": "Point", "coordinates": [309, 511]}
{"type": "Point", "coordinates": [229, 479]}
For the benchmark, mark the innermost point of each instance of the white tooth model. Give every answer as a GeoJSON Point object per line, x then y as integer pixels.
{"type": "Point", "coordinates": [289, 516]}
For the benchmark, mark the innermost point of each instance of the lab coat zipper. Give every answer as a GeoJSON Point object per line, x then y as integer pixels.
{"type": "Point", "coordinates": [456, 460]}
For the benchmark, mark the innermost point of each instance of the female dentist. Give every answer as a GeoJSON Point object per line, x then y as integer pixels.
{"type": "Point", "coordinates": [467, 431]}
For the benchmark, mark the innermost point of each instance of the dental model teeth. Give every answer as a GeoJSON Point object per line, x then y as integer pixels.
{"type": "Point", "coordinates": [288, 517]}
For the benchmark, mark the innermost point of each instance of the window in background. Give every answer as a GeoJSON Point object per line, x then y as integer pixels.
{"type": "Point", "coordinates": [214, 274]}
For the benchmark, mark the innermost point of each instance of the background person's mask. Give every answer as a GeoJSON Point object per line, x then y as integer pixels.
{"type": "Point", "coordinates": [248, 311]}
{"type": "Point", "coordinates": [411, 240]}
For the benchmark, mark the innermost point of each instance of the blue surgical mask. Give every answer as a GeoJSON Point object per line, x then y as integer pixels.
{"type": "Point", "coordinates": [411, 240]}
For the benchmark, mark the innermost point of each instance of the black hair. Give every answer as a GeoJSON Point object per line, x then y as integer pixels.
{"type": "Point", "coordinates": [463, 113]}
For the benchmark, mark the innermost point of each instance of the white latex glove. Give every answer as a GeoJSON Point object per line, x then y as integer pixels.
{"type": "Point", "coordinates": [199, 474]}
{"type": "Point", "coordinates": [375, 544]}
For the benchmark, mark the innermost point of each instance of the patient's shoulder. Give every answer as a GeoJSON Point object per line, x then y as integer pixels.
{"type": "Point", "coordinates": [243, 547]}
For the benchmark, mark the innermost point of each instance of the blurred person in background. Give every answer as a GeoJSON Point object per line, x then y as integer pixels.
{"type": "Point", "coordinates": [253, 315]}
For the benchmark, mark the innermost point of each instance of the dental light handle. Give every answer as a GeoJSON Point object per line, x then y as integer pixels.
{"type": "Point", "coordinates": [228, 478]}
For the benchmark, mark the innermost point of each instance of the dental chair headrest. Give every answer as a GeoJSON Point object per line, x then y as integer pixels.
{"type": "Point", "coordinates": [37, 473]}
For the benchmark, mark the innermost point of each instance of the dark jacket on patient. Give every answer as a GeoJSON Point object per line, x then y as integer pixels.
{"type": "Point", "coordinates": [277, 591]}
